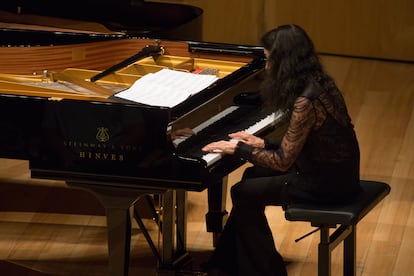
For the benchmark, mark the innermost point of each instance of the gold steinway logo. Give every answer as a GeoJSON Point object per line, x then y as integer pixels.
{"type": "Point", "coordinates": [102, 150]}
{"type": "Point", "coordinates": [102, 135]}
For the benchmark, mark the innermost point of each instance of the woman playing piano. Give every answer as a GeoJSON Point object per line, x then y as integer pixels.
{"type": "Point", "coordinates": [316, 160]}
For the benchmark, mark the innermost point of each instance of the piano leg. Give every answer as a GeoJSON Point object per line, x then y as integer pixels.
{"type": "Point", "coordinates": [181, 213]}
{"type": "Point", "coordinates": [174, 230]}
{"type": "Point", "coordinates": [118, 203]}
{"type": "Point", "coordinates": [217, 214]}
{"type": "Point", "coordinates": [119, 238]}
{"type": "Point", "coordinates": [168, 208]}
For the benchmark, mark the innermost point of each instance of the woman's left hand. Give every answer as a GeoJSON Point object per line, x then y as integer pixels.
{"type": "Point", "coordinates": [223, 147]}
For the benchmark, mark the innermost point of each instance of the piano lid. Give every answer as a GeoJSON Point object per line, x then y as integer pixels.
{"type": "Point", "coordinates": [50, 22]}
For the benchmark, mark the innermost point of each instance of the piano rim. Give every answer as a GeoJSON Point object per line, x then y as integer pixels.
{"type": "Point", "coordinates": [118, 181]}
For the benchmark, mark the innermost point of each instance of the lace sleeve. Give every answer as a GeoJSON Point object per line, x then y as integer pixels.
{"type": "Point", "coordinates": [301, 122]}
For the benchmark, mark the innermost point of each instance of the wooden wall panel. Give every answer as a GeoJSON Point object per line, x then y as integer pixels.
{"type": "Point", "coordinates": [367, 28]}
{"type": "Point", "coordinates": [370, 28]}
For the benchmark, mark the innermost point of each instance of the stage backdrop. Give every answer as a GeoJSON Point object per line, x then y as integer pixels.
{"type": "Point", "coordinates": [366, 28]}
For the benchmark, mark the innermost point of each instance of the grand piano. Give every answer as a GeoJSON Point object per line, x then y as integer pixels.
{"type": "Point", "coordinates": [59, 109]}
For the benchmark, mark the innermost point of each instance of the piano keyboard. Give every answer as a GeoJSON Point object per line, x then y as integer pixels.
{"type": "Point", "coordinates": [253, 128]}
{"type": "Point", "coordinates": [269, 120]}
{"type": "Point", "coordinates": [207, 123]}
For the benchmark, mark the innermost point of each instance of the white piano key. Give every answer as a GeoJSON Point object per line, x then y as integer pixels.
{"type": "Point", "coordinates": [211, 158]}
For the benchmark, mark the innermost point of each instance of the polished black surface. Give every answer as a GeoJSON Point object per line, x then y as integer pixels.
{"type": "Point", "coordinates": [28, 38]}
{"type": "Point", "coordinates": [130, 18]}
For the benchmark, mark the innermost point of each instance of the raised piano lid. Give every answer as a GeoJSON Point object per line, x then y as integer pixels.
{"type": "Point", "coordinates": [132, 18]}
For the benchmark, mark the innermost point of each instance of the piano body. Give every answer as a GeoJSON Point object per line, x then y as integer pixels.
{"type": "Point", "coordinates": [74, 129]}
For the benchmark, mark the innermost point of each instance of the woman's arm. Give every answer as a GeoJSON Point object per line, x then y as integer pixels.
{"type": "Point", "coordinates": [301, 122]}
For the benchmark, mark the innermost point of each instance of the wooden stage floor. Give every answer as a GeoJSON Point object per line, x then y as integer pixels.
{"type": "Point", "coordinates": [51, 230]}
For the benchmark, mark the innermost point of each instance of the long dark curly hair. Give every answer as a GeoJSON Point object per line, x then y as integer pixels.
{"type": "Point", "coordinates": [291, 64]}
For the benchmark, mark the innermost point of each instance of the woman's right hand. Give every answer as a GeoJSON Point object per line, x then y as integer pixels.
{"type": "Point", "coordinates": [248, 139]}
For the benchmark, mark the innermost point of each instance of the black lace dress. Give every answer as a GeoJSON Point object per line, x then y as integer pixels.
{"type": "Point", "coordinates": [320, 145]}
{"type": "Point", "coordinates": [316, 160]}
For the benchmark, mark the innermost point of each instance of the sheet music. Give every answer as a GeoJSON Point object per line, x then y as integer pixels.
{"type": "Point", "coordinates": [166, 87]}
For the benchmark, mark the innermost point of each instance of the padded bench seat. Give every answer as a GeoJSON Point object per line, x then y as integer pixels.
{"type": "Point", "coordinates": [346, 216]}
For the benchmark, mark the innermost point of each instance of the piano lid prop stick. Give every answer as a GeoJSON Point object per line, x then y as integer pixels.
{"type": "Point", "coordinates": [149, 50]}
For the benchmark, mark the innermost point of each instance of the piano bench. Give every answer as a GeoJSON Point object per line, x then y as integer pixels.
{"type": "Point", "coordinates": [346, 216]}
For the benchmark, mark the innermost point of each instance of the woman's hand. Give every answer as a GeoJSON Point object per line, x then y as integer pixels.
{"type": "Point", "coordinates": [248, 139]}
{"type": "Point", "coordinates": [223, 147]}
{"type": "Point", "coordinates": [228, 147]}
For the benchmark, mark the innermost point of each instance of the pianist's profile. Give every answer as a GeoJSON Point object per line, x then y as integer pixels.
{"type": "Point", "coordinates": [316, 160]}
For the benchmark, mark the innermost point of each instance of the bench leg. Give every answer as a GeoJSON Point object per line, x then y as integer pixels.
{"type": "Point", "coordinates": [328, 242]}
{"type": "Point", "coordinates": [350, 253]}
{"type": "Point", "coordinates": [324, 253]}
